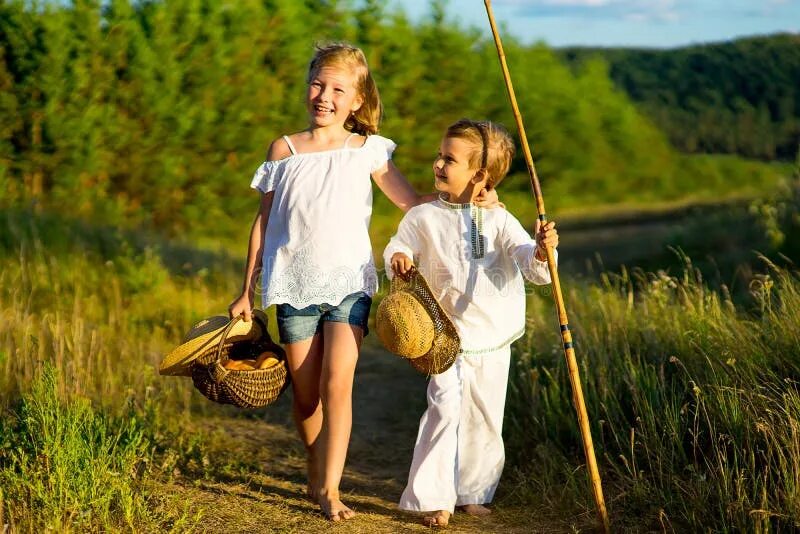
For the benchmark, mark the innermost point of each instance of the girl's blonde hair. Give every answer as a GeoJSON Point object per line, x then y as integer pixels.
{"type": "Point", "coordinates": [364, 120]}
{"type": "Point", "coordinates": [493, 147]}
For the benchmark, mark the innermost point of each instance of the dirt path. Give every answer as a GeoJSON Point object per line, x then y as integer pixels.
{"type": "Point", "coordinates": [264, 492]}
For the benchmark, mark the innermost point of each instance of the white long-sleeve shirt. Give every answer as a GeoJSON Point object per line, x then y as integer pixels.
{"type": "Point", "coordinates": [474, 260]}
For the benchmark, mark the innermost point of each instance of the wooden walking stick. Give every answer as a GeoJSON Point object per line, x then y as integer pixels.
{"type": "Point", "coordinates": [566, 336]}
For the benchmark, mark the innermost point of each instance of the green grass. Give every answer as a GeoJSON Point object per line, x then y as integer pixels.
{"type": "Point", "coordinates": [67, 466]}
{"type": "Point", "coordinates": [87, 428]}
{"type": "Point", "coordinates": [695, 405]}
{"type": "Point", "coordinates": [693, 396]}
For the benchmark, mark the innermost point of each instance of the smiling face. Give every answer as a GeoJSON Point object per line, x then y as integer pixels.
{"type": "Point", "coordinates": [332, 95]}
{"type": "Point", "coordinates": [453, 173]}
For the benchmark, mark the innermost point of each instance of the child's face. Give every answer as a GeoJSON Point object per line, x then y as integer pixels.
{"type": "Point", "coordinates": [453, 173]}
{"type": "Point", "coordinates": [332, 96]}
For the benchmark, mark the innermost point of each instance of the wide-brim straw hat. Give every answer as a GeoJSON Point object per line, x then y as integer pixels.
{"type": "Point", "coordinates": [204, 337]}
{"type": "Point", "coordinates": [411, 323]}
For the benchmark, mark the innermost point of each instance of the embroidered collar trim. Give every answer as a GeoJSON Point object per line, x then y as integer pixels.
{"type": "Point", "coordinates": [452, 205]}
{"type": "Point", "coordinates": [476, 237]}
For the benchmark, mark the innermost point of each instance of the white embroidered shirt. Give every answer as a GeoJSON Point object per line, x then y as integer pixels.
{"type": "Point", "coordinates": [473, 260]}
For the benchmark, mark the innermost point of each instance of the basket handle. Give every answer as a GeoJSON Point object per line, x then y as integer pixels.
{"type": "Point", "coordinates": [227, 331]}
{"type": "Point", "coordinates": [224, 336]}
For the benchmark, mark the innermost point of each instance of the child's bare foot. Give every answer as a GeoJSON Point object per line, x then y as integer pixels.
{"type": "Point", "coordinates": [475, 509]}
{"type": "Point", "coordinates": [332, 507]}
{"type": "Point", "coordinates": [438, 519]}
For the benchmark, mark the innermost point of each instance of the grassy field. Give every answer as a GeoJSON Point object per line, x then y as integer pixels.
{"type": "Point", "coordinates": [695, 402]}
{"type": "Point", "coordinates": [692, 392]}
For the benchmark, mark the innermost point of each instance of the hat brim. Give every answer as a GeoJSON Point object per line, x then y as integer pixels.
{"type": "Point", "coordinates": [446, 343]}
{"type": "Point", "coordinates": [205, 336]}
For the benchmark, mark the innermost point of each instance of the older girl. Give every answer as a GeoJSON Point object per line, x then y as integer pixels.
{"type": "Point", "coordinates": [310, 244]}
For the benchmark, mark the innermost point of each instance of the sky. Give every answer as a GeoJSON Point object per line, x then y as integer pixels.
{"type": "Point", "coordinates": [641, 23]}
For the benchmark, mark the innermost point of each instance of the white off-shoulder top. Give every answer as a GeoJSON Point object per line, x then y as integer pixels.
{"type": "Point", "coordinates": [316, 247]}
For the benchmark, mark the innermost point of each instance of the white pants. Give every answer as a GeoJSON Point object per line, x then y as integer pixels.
{"type": "Point", "coordinates": [459, 455]}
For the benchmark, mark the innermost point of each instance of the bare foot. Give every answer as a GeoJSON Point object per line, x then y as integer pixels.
{"type": "Point", "coordinates": [475, 509]}
{"type": "Point", "coordinates": [438, 519]}
{"type": "Point", "coordinates": [333, 508]}
{"type": "Point", "coordinates": [312, 478]}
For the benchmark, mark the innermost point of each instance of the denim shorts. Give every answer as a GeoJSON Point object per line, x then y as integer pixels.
{"type": "Point", "coordinates": [298, 324]}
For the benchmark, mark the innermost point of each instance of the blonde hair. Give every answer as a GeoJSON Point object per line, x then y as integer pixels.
{"type": "Point", "coordinates": [364, 120]}
{"type": "Point", "coordinates": [493, 147]}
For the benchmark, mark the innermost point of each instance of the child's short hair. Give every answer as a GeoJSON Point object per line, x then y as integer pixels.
{"type": "Point", "coordinates": [366, 119]}
{"type": "Point", "coordinates": [493, 147]}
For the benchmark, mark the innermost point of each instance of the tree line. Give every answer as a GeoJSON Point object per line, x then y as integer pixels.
{"type": "Point", "coordinates": [738, 97]}
{"type": "Point", "coordinates": [153, 113]}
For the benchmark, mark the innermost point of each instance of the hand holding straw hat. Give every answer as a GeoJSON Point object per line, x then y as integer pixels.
{"type": "Point", "coordinates": [411, 324]}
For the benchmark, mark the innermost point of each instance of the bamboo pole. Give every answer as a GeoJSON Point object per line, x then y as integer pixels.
{"type": "Point", "coordinates": [566, 335]}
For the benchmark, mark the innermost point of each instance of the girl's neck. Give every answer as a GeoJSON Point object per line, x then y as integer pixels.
{"type": "Point", "coordinates": [328, 134]}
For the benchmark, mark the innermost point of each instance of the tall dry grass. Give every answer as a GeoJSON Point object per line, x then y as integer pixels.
{"type": "Point", "coordinates": [103, 319]}
{"type": "Point", "coordinates": [87, 428]}
{"type": "Point", "coordinates": [694, 403]}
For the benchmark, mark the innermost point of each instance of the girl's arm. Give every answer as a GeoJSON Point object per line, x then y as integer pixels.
{"type": "Point", "coordinates": [243, 305]}
{"type": "Point", "coordinates": [396, 187]}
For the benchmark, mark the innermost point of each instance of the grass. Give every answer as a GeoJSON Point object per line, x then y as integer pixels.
{"type": "Point", "coordinates": [87, 428]}
{"type": "Point", "coordinates": [695, 405]}
{"type": "Point", "coordinates": [67, 466]}
{"type": "Point", "coordinates": [693, 396]}
{"type": "Point", "coordinates": [91, 313]}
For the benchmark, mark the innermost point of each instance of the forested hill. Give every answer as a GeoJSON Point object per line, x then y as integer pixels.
{"type": "Point", "coordinates": [741, 96]}
{"type": "Point", "coordinates": [157, 113]}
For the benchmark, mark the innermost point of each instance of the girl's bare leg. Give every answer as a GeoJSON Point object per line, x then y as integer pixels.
{"type": "Point", "coordinates": [305, 365]}
{"type": "Point", "coordinates": [340, 354]}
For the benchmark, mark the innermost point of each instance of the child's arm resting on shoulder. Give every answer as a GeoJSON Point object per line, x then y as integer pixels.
{"type": "Point", "coordinates": [395, 186]}
{"type": "Point", "coordinates": [402, 248]}
{"type": "Point", "coordinates": [530, 254]}
{"type": "Point", "coordinates": [489, 199]}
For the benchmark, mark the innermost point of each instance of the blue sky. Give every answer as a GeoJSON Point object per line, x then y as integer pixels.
{"type": "Point", "coordinates": [651, 23]}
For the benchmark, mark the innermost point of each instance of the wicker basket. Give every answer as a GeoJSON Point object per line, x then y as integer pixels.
{"type": "Point", "coordinates": [246, 389]}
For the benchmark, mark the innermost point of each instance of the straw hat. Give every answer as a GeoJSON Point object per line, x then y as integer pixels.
{"type": "Point", "coordinates": [205, 336]}
{"type": "Point", "coordinates": [412, 324]}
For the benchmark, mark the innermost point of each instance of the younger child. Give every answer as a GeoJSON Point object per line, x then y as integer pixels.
{"type": "Point", "coordinates": [473, 260]}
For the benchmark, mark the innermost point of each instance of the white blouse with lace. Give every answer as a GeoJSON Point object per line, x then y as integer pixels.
{"type": "Point", "coordinates": [316, 247]}
{"type": "Point", "coordinates": [474, 260]}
